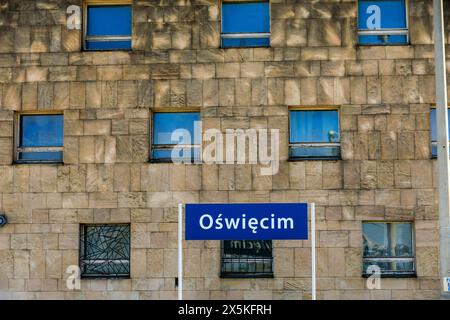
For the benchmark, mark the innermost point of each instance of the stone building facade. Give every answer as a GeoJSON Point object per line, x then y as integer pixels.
{"type": "Point", "coordinates": [383, 93]}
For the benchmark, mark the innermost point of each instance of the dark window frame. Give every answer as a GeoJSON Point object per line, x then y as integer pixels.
{"type": "Point", "coordinates": [17, 140]}
{"type": "Point", "coordinates": [245, 35]}
{"type": "Point", "coordinates": [105, 3]}
{"type": "Point", "coordinates": [245, 274]}
{"type": "Point", "coordinates": [407, 274]}
{"type": "Point", "coordinates": [83, 246]}
{"type": "Point", "coordinates": [292, 145]}
{"type": "Point", "coordinates": [385, 31]}
{"type": "Point", "coordinates": [154, 146]}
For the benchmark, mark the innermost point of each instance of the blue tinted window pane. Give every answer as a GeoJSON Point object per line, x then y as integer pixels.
{"type": "Point", "coordinates": [165, 123]}
{"type": "Point", "coordinates": [388, 14]}
{"type": "Point", "coordinates": [314, 126]}
{"type": "Point", "coordinates": [41, 156]}
{"type": "Point", "coordinates": [107, 45]}
{"type": "Point", "coordinates": [109, 21]}
{"type": "Point", "coordinates": [181, 155]}
{"type": "Point", "coordinates": [41, 131]}
{"type": "Point", "coordinates": [250, 42]}
{"type": "Point", "coordinates": [391, 39]}
{"type": "Point", "coordinates": [314, 152]}
{"type": "Point", "coordinates": [245, 17]}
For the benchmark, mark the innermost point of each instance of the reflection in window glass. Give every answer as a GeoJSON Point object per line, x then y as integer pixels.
{"type": "Point", "coordinates": [247, 258]}
{"type": "Point", "coordinates": [40, 138]}
{"type": "Point", "coordinates": [108, 27]}
{"type": "Point", "coordinates": [251, 18]}
{"type": "Point", "coordinates": [388, 246]}
{"type": "Point", "coordinates": [164, 124]}
{"type": "Point", "coordinates": [434, 131]}
{"type": "Point", "coordinates": [314, 134]}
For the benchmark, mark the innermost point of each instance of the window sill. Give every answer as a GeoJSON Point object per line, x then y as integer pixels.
{"type": "Point", "coordinates": [362, 45]}
{"type": "Point", "coordinates": [393, 275]}
{"type": "Point", "coordinates": [38, 162]}
{"type": "Point", "coordinates": [107, 50]}
{"type": "Point", "coordinates": [164, 161]}
{"type": "Point", "coordinates": [315, 159]}
{"type": "Point", "coordinates": [246, 47]}
{"type": "Point", "coordinates": [246, 276]}
{"type": "Point", "coordinates": [85, 277]}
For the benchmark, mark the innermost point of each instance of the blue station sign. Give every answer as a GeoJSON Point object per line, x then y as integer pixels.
{"type": "Point", "coordinates": [259, 221]}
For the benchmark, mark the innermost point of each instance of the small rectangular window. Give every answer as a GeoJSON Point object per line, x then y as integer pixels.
{"type": "Point", "coordinates": [245, 24]}
{"type": "Point", "coordinates": [434, 131]}
{"type": "Point", "coordinates": [382, 22]}
{"type": "Point", "coordinates": [39, 138]}
{"type": "Point", "coordinates": [247, 259]}
{"type": "Point", "coordinates": [105, 251]}
{"type": "Point", "coordinates": [314, 134]}
{"type": "Point", "coordinates": [388, 248]}
{"type": "Point", "coordinates": [176, 137]}
{"type": "Point", "coordinates": [108, 27]}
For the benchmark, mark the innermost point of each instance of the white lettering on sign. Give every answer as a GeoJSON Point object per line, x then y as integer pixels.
{"type": "Point", "coordinates": [207, 222]}
{"type": "Point", "coordinates": [374, 20]}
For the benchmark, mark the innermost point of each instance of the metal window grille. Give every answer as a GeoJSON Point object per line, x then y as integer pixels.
{"type": "Point", "coordinates": [105, 251]}
{"type": "Point", "coordinates": [247, 259]}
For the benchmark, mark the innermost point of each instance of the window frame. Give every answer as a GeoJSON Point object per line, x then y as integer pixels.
{"type": "Point", "coordinates": [171, 146]}
{"type": "Point", "coordinates": [314, 144]}
{"type": "Point", "coordinates": [17, 132]}
{"type": "Point", "coordinates": [86, 38]}
{"type": "Point", "coordinates": [386, 31]}
{"type": "Point", "coordinates": [413, 259]}
{"type": "Point", "coordinates": [246, 35]}
{"type": "Point", "coordinates": [240, 275]}
{"type": "Point", "coordinates": [82, 246]}
{"type": "Point", "coordinates": [434, 142]}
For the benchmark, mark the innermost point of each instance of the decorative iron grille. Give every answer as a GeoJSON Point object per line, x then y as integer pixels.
{"type": "Point", "coordinates": [105, 251]}
{"type": "Point", "coordinates": [247, 259]}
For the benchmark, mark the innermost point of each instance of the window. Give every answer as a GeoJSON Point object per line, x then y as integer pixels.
{"type": "Point", "coordinates": [176, 137]}
{"type": "Point", "coordinates": [247, 258]}
{"type": "Point", "coordinates": [389, 247]}
{"type": "Point", "coordinates": [245, 24]}
{"type": "Point", "coordinates": [314, 134]}
{"type": "Point", "coordinates": [107, 26]}
{"type": "Point", "coordinates": [105, 251]}
{"type": "Point", "coordinates": [382, 22]}
{"type": "Point", "coordinates": [434, 131]}
{"type": "Point", "coordinates": [39, 138]}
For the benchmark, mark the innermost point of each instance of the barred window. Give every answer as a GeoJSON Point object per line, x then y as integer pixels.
{"type": "Point", "coordinates": [247, 259]}
{"type": "Point", "coordinates": [105, 251]}
{"type": "Point", "coordinates": [314, 134]}
{"type": "Point", "coordinates": [382, 22]}
{"type": "Point", "coordinates": [245, 24]}
{"type": "Point", "coordinates": [388, 248]}
{"type": "Point", "coordinates": [107, 25]}
{"type": "Point", "coordinates": [39, 138]}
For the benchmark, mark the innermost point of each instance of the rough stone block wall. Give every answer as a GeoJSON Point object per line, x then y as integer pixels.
{"type": "Point", "coordinates": [383, 93]}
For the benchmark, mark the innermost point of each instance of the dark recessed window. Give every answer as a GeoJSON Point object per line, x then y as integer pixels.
{"type": "Point", "coordinates": [388, 248]}
{"type": "Point", "coordinates": [40, 138]}
{"type": "Point", "coordinates": [434, 131]}
{"type": "Point", "coordinates": [314, 134]}
{"type": "Point", "coordinates": [247, 259]}
{"type": "Point", "coordinates": [245, 24]}
{"type": "Point", "coordinates": [108, 27]}
{"type": "Point", "coordinates": [105, 251]}
{"type": "Point", "coordinates": [382, 22]}
{"type": "Point", "coordinates": [175, 138]}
